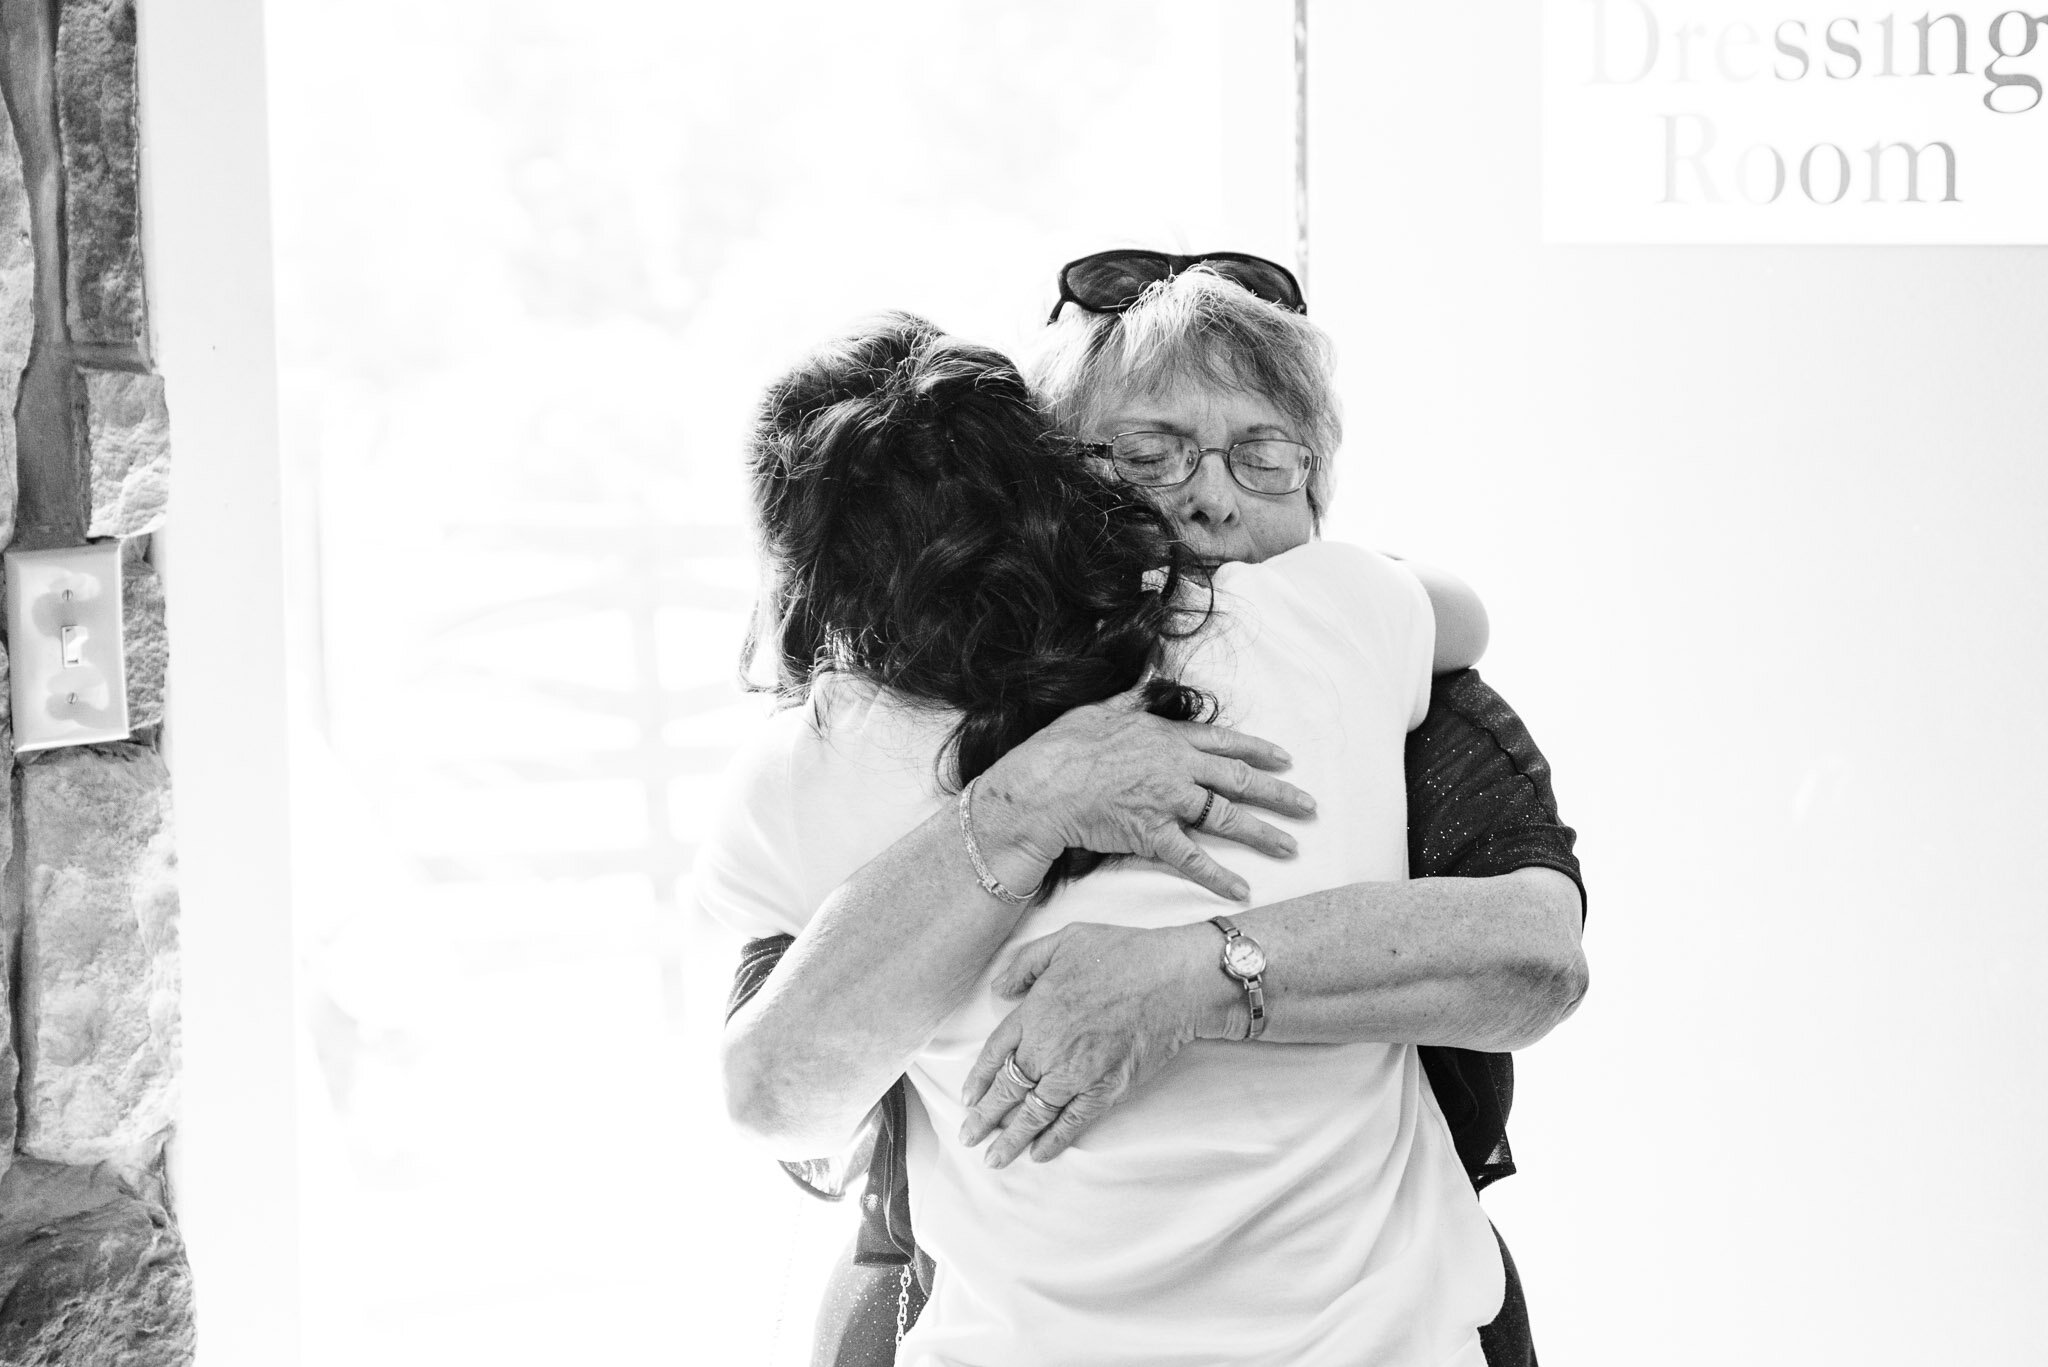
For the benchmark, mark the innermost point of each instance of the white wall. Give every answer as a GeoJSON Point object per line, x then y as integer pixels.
{"type": "Point", "coordinates": [207, 215]}
{"type": "Point", "coordinates": [1762, 532]}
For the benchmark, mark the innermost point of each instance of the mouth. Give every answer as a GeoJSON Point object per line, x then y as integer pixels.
{"type": "Point", "coordinates": [1210, 534]}
{"type": "Point", "coordinates": [1209, 549]}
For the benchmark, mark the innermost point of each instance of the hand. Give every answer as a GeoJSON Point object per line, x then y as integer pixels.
{"type": "Point", "coordinates": [1113, 778]}
{"type": "Point", "coordinates": [1103, 1008]}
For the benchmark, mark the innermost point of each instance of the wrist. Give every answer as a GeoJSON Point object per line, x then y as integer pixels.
{"type": "Point", "coordinates": [1216, 999]}
{"type": "Point", "coordinates": [1010, 835]}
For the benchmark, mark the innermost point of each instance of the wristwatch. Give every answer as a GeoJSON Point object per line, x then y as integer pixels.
{"type": "Point", "coordinates": [1246, 962]}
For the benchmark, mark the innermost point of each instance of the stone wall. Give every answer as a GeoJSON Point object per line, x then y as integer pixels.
{"type": "Point", "coordinates": [92, 1270]}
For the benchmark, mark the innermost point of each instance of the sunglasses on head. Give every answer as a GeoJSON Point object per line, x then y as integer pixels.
{"type": "Point", "coordinates": [1110, 282]}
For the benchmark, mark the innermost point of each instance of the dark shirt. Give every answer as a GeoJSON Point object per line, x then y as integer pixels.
{"type": "Point", "coordinates": [1479, 805]}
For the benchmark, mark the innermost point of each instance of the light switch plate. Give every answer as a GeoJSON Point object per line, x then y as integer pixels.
{"type": "Point", "coordinates": [69, 673]}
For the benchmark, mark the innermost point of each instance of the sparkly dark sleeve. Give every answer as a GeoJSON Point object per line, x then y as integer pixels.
{"type": "Point", "coordinates": [757, 960]}
{"type": "Point", "coordinates": [1479, 804]}
{"type": "Point", "coordinates": [1479, 797]}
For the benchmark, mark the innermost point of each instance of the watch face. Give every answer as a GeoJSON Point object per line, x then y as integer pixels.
{"type": "Point", "coordinates": [1245, 957]}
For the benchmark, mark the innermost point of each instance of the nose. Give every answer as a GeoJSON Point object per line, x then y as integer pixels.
{"type": "Point", "coordinates": [1209, 498]}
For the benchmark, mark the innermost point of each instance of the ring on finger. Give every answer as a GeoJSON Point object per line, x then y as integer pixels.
{"type": "Point", "coordinates": [1016, 1074]}
{"type": "Point", "coordinates": [1203, 815]}
{"type": "Point", "coordinates": [1049, 1108]}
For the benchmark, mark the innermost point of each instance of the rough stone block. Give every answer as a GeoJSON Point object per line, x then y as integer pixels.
{"type": "Point", "coordinates": [98, 1015]}
{"type": "Point", "coordinates": [96, 118]}
{"type": "Point", "coordinates": [144, 642]}
{"type": "Point", "coordinates": [126, 432]}
{"type": "Point", "coordinates": [10, 925]}
{"type": "Point", "coordinates": [91, 1274]}
{"type": "Point", "coordinates": [17, 308]}
{"type": "Point", "coordinates": [6, 754]}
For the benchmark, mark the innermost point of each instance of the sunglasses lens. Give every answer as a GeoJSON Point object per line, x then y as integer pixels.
{"type": "Point", "coordinates": [1111, 283]}
{"type": "Point", "coordinates": [1264, 279]}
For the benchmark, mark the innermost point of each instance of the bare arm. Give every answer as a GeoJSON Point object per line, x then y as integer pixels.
{"type": "Point", "coordinates": [896, 948]}
{"type": "Point", "coordinates": [1478, 963]}
{"type": "Point", "coordinates": [885, 960]}
{"type": "Point", "coordinates": [1462, 628]}
{"type": "Point", "coordinates": [1485, 955]}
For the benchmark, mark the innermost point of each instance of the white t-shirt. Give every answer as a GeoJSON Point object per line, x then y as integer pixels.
{"type": "Point", "coordinates": [1253, 1203]}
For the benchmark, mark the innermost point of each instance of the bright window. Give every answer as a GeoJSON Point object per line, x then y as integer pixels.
{"type": "Point", "coordinates": [535, 262]}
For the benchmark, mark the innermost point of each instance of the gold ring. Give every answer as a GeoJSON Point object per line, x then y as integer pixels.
{"type": "Point", "coordinates": [1016, 1073]}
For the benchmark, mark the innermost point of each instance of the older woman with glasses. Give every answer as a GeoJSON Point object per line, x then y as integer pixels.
{"type": "Point", "coordinates": [1200, 367]}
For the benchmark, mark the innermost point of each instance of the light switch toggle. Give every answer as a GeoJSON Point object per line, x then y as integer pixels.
{"type": "Point", "coordinates": [68, 674]}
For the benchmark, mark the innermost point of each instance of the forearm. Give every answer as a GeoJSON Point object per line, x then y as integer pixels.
{"type": "Point", "coordinates": [1476, 963]}
{"type": "Point", "coordinates": [888, 957]}
{"type": "Point", "coordinates": [898, 947]}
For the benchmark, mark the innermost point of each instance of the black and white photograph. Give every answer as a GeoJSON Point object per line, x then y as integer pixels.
{"type": "Point", "coordinates": [1022, 683]}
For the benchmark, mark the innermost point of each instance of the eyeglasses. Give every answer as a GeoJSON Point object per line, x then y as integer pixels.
{"type": "Point", "coordinates": [1110, 282]}
{"type": "Point", "coordinates": [1162, 460]}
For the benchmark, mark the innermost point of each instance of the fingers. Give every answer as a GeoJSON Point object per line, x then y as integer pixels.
{"type": "Point", "coordinates": [1032, 1117]}
{"type": "Point", "coordinates": [1076, 1116]}
{"type": "Point", "coordinates": [1001, 1087]}
{"type": "Point", "coordinates": [1015, 977]}
{"type": "Point", "coordinates": [1235, 778]}
{"type": "Point", "coordinates": [995, 1105]}
{"type": "Point", "coordinates": [1001, 1043]}
{"type": "Point", "coordinates": [1221, 740]}
{"type": "Point", "coordinates": [1173, 848]}
{"type": "Point", "coordinates": [1232, 822]}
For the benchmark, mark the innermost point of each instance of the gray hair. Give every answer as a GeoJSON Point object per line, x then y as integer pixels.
{"type": "Point", "coordinates": [1196, 326]}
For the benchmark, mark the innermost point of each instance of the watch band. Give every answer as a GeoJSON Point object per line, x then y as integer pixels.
{"type": "Point", "coordinates": [1254, 985]}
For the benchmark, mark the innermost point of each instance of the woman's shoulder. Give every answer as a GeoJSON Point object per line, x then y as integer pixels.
{"type": "Point", "coordinates": [1343, 604]}
{"type": "Point", "coordinates": [844, 730]}
{"type": "Point", "coordinates": [1357, 585]}
{"type": "Point", "coordinates": [813, 791]}
{"type": "Point", "coordinates": [856, 721]}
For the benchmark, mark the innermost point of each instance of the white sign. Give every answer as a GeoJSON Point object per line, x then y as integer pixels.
{"type": "Point", "coordinates": [1732, 121]}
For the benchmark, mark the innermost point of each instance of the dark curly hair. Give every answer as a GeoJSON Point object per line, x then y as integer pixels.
{"type": "Point", "coordinates": [927, 530]}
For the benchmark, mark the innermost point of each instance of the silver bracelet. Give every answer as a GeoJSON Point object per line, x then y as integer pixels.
{"type": "Point", "coordinates": [990, 884]}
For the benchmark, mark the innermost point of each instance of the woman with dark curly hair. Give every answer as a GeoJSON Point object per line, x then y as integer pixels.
{"type": "Point", "coordinates": [929, 533]}
{"type": "Point", "coordinates": [947, 580]}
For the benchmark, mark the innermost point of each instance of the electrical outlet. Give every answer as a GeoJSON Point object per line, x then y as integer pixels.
{"type": "Point", "coordinates": [69, 673]}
